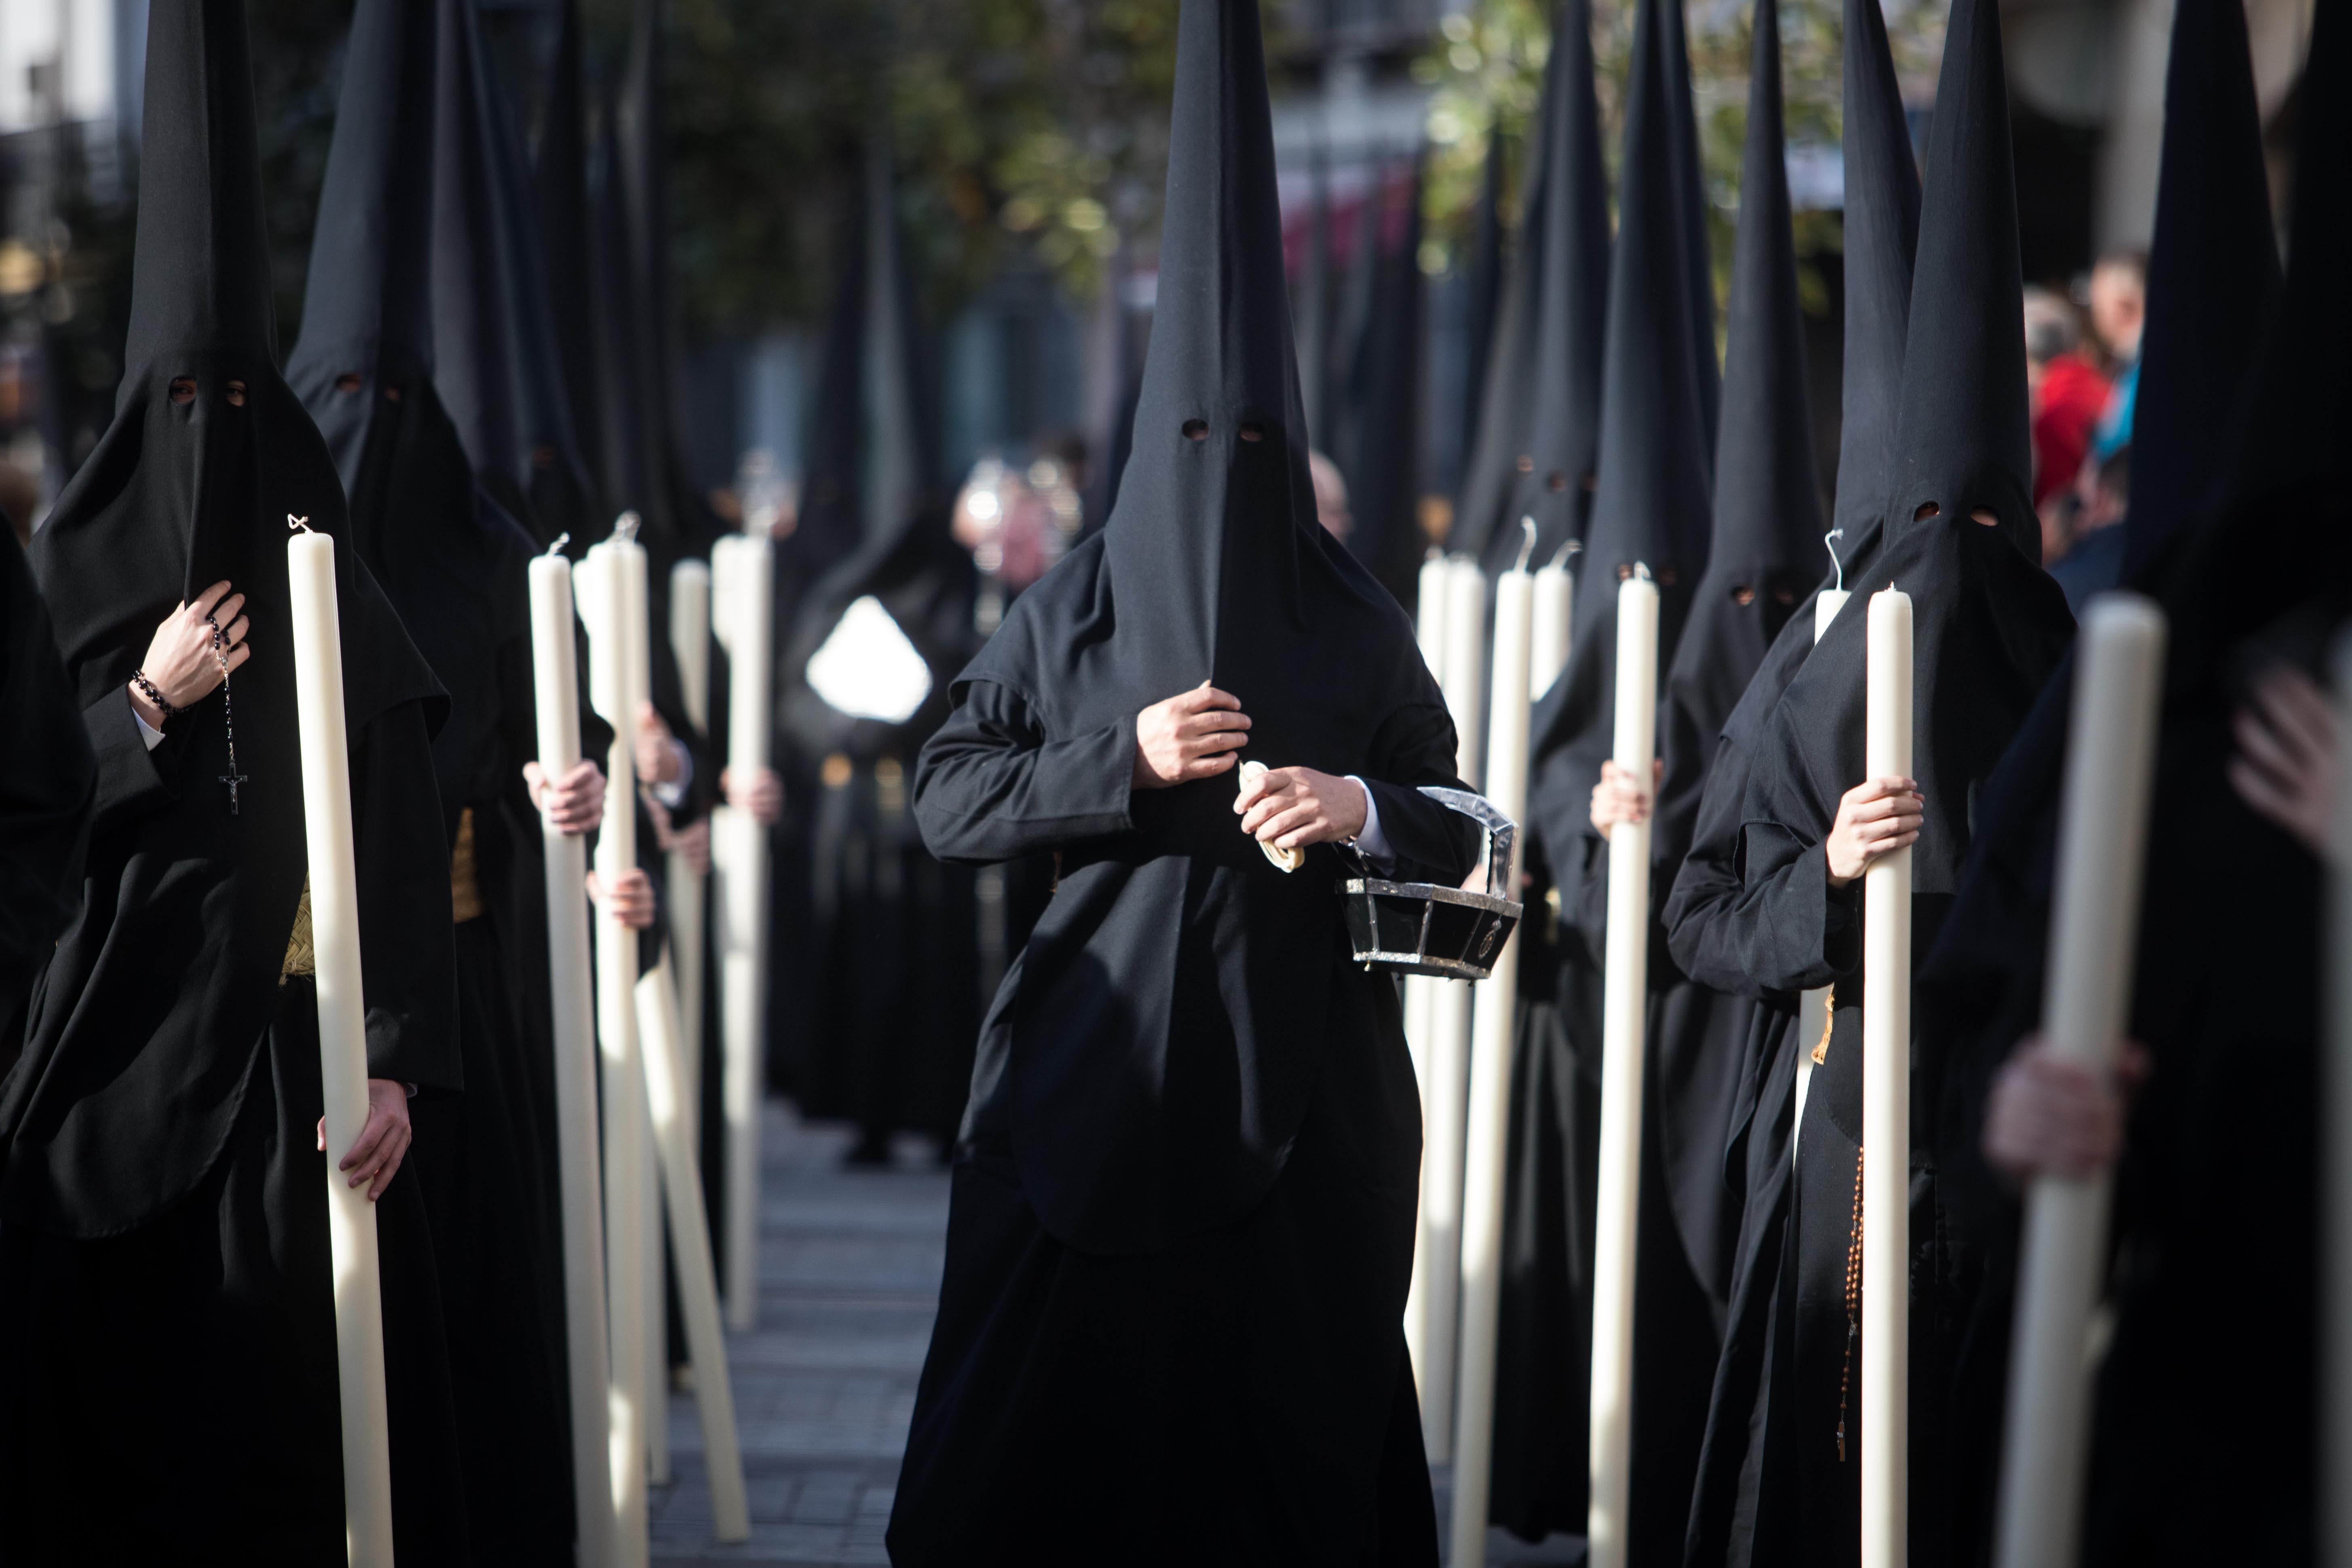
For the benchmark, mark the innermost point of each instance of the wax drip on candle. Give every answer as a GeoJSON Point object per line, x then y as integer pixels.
{"type": "Point", "coordinates": [624, 527]}
{"type": "Point", "coordinates": [1529, 547]}
{"type": "Point", "coordinates": [557, 548]}
{"type": "Point", "coordinates": [1829, 543]}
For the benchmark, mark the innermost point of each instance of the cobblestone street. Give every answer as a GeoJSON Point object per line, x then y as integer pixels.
{"type": "Point", "coordinates": [849, 1276]}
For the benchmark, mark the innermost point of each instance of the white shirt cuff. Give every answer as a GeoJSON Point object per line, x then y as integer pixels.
{"type": "Point", "coordinates": [1370, 842]}
{"type": "Point", "coordinates": [147, 732]}
{"type": "Point", "coordinates": [672, 793]}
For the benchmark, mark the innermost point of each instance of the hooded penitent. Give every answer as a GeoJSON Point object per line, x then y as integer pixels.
{"type": "Point", "coordinates": [1651, 506]}
{"type": "Point", "coordinates": [892, 991]}
{"type": "Point", "coordinates": [129, 1086]}
{"type": "Point", "coordinates": [1212, 567]}
{"type": "Point", "coordinates": [162, 1212]}
{"type": "Point", "coordinates": [1710, 928]}
{"type": "Point", "coordinates": [1383, 459]}
{"type": "Point", "coordinates": [2240, 471]}
{"type": "Point", "coordinates": [1539, 419]}
{"type": "Point", "coordinates": [1990, 627]}
{"type": "Point", "coordinates": [453, 563]}
{"type": "Point", "coordinates": [450, 561]}
{"type": "Point", "coordinates": [1184, 1193]}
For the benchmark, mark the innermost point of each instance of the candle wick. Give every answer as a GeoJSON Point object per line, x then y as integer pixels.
{"type": "Point", "coordinates": [624, 527]}
{"type": "Point", "coordinates": [1641, 570]}
{"type": "Point", "coordinates": [297, 524]}
{"type": "Point", "coordinates": [1829, 543]}
{"type": "Point", "coordinates": [1529, 547]}
{"type": "Point", "coordinates": [561, 541]}
{"type": "Point", "coordinates": [1573, 547]}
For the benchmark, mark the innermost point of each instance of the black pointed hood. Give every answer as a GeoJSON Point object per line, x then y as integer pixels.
{"type": "Point", "coordinates": [1212, 567]}
{"type": "Point", "coordinates": [1962, 430]}
{"type": "Point", "coordinates": [1539, 420]}
{"type": "Point", "coordinates": [623, 468]}
{"type": "Point", "coordinates": [1315, 304]}
{"type": "Point", "coordinates": [450, 561]}
{"type": "Point", "coordinates": [2212, 274]}
{"type": "Point", "coordinates": [1652, 505]}
{"type": "Point", "coordinates": [561, 499]}
{"type": "Point", "coordinates": [678, 518]}
{"type": "Point", "coordinates": [1484, 280]}
{"type": "Point", "coordinates": [473, 337]}
{"type": "Point", "coordinates": [559, 187]}
{"type": "Point", "coordinates": [1768, 509]}
{"type": "Point", "coordinates": [1990, 626]}
{"type": "Point", "coordinates": [1882, 239]}
{"type": "Point", "coordinates": [178, 495]}
{"type": "Point", "coordinates": [1383, 468]}
{"type": "Point", "coordinates": [903, 555]}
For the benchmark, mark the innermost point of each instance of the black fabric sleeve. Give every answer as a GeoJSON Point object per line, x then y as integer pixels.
{"type": "Point", "coordinates": [1431, 842]}
{"type": "Point", "coordinates": [989, 786]}
{"type": "Point", "coordinates": [131, 780]}
{"type": "Point", "coordinates": [1805, 933]}
{"type": "Point", "coordinates": [1709, 932]}
{"type": "Point", "coordinates": [407, 950]}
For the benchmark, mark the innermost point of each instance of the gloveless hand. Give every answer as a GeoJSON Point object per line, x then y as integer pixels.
{"type": "Point", "coordinates": [574, 804]}
{"type": "Point", "coordinates": [630, 897]}
{"type": "Point", "coordinates": [1292, 807]}
{"type": "Point", "coordinates": [1875, 817]}
{"type": "Point", "coordinates": [1193, 735]}
{"type": "Point", "coordinates": [656, 749]}
{"type": "Point", "coordinates": [1617, 798]}
{"type": "Point", "coordinates": [2049, 1116]}
{"type": "Point", "coordinates": [762, 797]}
{"type": "Point", "coordinates": [376, 1152]}
{"type": "Point", "coordinates": [180, 659]}
{"type": "Point", "coordinates": [2289, 755]}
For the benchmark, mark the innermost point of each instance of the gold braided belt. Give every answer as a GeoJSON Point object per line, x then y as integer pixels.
{"type": "Point", "coordinates": [464, 893]}
{"type": "Point", "coordinates": [301, 957]}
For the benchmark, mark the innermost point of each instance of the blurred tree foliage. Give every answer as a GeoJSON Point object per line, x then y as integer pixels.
{"type": "Point", "coordinates": [1486, 71]}
{"type": "Point", "coordinates": [1031, 125]}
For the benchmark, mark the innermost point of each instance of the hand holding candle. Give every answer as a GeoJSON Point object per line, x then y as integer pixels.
{"type": "Point", "coordinates": [343, 1040]}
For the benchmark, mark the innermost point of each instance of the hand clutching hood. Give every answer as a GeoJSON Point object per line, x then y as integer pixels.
{"type": "Point", "coordinates": [147, 1025]}
{"type": "Point", "coordinates": [1167, 1021]}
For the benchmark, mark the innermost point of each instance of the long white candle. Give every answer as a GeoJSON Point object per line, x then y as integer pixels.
{"type": "Point", "coordinates": [1490, 1092]}
{"type": "Point", "coordinates": [635, 602]}
{"type": "Point", "coordinates": [556, 690]}
{"type": "Point", "coordinates": [1465, 663]}
{"type": "Point", "coordinates": [689, 1233]}
{"type": "Point", "coordinates": [1430, 618]}
{"type": "Point", "coordinates": [1464, 630]}
{"type": "Point", "coordinates": [1623, 1016]}
{"type": "Point", "coordinates": [601, 594]}
{"type": "Point", "coordinates": [1554, 618]}
{"type": "Point", "coordinates": [1813, 1006]}
{"type": "Point", "coordinates": [743, 614]}
{"type": "Point", "coordinates": [2335, 1436]}
{"type": "Point", "coordinates": [2093, 921]}
{"type": "Point", "coordinates": [342, 1042]}
{"type": "Point", "coordinates": [1886, 1110]}
{"type": "Point", "coordinates": [689, 638]}
{"type": "Point", "coordinates": [1421, 992]}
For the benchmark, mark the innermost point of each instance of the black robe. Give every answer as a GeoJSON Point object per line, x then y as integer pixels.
{"type": "Point", "coordinates": [45, 793]}
{"type": "Point", "coordinates": [163, 1243]}
{"type": "Point", "coordinates": [213, 1320]}
{"type": "Point", "coordinates": [1266, 1346]}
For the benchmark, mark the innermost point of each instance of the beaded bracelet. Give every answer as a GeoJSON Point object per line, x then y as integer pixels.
{"type": "Point", "coordinates": [148, 689]}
